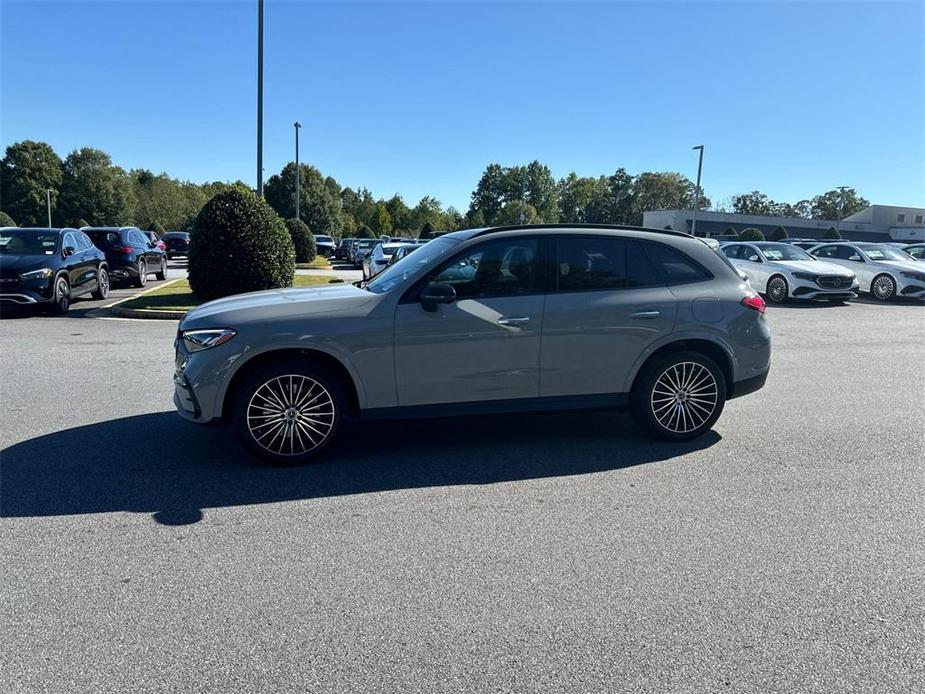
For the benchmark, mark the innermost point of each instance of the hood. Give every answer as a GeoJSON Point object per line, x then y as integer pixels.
{"type": "Point", "coordinates": [15, 264]}
{"type": "Point", "coordinates": [817, 267]}
{"type": "Point", "coordinates": [301, 303]}
{"type": "Point", "coordinates": [907, 265]}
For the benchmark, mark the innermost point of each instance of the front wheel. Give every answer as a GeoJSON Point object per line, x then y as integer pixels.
{"type": "Point", "coordinates": [62, 297]}
{"type": "Point", "coordinates": [883, 288]}
{"type": "Point", "coordinates": [778, 290]}
{"type": "Point", "coordinates": [287, 412]}
{"type": "Point", "coordinates": [678, 396]}
{"type": "Point", "coordinates": [102, 284]}
{"type": "Point", "coordinates": [142, 278]}
{"type": "Point", "coordinates": [161, 274]}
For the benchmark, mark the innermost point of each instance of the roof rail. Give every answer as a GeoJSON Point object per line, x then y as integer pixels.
{"type": "Point", "coordinates": [605, 227]}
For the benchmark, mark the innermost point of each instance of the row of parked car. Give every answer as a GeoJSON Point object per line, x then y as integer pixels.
{"type": "Point", "coordinates": [374, 255]}
{"type": "Point", "coordinates": [52, 267]}
{"type": "Point", "coordinates": [832, 271]}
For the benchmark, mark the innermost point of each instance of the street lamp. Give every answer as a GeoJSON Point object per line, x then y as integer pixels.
{"type": "Point", "coordinates": [841, 206]}
{"type": "Point", "coordinates": [259, 98]}
{"type": "Point", "coordinates": [298, 173]}
{"type": "Point", "coordinates": [48, 203]}
{"type": "Point", "coordinates": [697, 191]}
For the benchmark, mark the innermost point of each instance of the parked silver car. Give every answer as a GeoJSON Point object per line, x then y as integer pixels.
{"type": "Point", "coordinates": [492, 320]}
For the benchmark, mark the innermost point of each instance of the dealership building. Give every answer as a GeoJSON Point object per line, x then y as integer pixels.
{"type": "Point", "coordinates": [879, 223]}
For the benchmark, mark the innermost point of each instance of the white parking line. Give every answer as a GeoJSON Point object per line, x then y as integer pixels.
{"type": "Point", "coordinates": [146, 291]}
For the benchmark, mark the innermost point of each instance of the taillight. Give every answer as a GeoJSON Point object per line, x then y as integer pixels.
{"type": "Point", "coordinates": [756, 303]}
{"type": "Point", "coordinates": [123, 249]}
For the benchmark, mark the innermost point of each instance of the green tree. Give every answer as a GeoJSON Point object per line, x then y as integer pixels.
{"type": "Point", "coordinates": [302, 240]}
{"type": "Point", "coordinates": [399, 212]}
{"type": "Point", "coordinates": [239, 245]}
{"type": "Point", "coordinates": [427, 231]}
{"type": "Point", "coordinates": [382, 221]}
{"type": "Point", "coordinates": [6, 220]}
{"type": "Point", "coordinates": [157, 228]}
{"type": "Point", "coordinates": [430, 210]}
{"type": "Point", "coordinates": [95, 190]}
{"type": "Point", "coordinates": [364, 232]}
{"type": "Point", "coordinates": [662, 191]}
{"type": "Point", "coordinates": [828, 205]}
{"type": "Point", "coordinates": [510, 214]}
{"type": "Point", "coordinates": [453, 219]}
{"type": "Point", "coordinates": [320, 207]}
{"type": "Point", "coordinates": [78, 223]}
{"type": "Point", "coordinates": [27, 171]}
{"type": "Point", "coordinates": [751, 234]}
{"type": "Point", "coordinates": [831, 234]}
{"type": "Point", "coordinates": [490, 193]}
{"type": "Point", "coordinates": [755, 203]}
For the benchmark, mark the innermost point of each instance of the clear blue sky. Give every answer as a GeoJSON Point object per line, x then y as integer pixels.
{"type": "Point", "coordinates": [789, 98]}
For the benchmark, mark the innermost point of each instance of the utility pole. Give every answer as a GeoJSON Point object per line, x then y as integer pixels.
{"type": "Point", "coordinates": [259, 98]}
{"type": "Point", "coordinates": [697, 191]}
{"type": "Point", "coordinates": [841, 206]}
{"type": "Point", "coordinates": [523, 197]}
{"type": "Point", "coordinates": [48, 202]}
{"type": "Point", "coordinates": [298, 172]}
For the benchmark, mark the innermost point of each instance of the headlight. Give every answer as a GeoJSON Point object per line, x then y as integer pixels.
{"type": "Point", "coordinates": [917, 276]}
{"type": "Point", "coordinates": [197, 340]}
{"type": "Point", "coordinates": [805, 276]}
{"type": "Point", "coordinates": [36, 274]}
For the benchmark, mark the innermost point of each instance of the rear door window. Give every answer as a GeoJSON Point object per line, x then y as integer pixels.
{"type": "Point", "coordinates": [587, 263]}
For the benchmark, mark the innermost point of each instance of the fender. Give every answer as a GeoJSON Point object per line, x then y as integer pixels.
{"type": "Point", "coordinates": [715, 338]}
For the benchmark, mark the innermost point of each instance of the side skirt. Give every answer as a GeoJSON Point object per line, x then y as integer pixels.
{"type": "Point", "coordinates": [567, 403]}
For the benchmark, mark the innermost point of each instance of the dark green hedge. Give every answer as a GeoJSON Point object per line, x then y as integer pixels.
{"type": "Point", "coordinates": [239, 244]}
{"type": "Point", "coordinates": [302, 240]}
{"type": "Point", "coordinates": [6, 220]}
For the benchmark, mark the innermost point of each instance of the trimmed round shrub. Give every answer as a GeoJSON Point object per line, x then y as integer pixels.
{"type": "Point", "coordinates": [751, 234]}
{"type": "Point", "coordinates": [6, 220]}
{"type": "Point", "coordinates": [364, 232]}
{"type": "Point", "coordinates": [239, 244]}
{"type": "Point", "coordinates": [80, 223]}
{"type": "Point", "coordinates": [158, 229]}
{"type": "Point", "coordinates": [302, 239]}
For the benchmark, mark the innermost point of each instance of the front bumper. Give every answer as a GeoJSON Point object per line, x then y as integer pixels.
{"type": "Point", "coordinates": [26, 292]}
{"type": "Point", "coordinates": [912, 289]}
{"type": "Point", "coordinates": [805, 289]}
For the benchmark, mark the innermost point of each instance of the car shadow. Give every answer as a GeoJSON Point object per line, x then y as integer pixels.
{"type": "Point", "coordinates": [115, 466]}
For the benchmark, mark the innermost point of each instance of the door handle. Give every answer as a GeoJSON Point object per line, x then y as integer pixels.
{"type": "Point", "coordinates": [645, 314]}
{"type": "Point", "coordinates": [516, 320]}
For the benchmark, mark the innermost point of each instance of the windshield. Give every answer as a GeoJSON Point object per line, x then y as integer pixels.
{"type": "Point", "coordinates": [409, 265]}
{"type": "Point", "coordinates": [884, 253]}
{"type": "Point", "coordinates": [26, 242]}
{"type": "Point", "coordinates": [783, 252]}
{"type": "Point", "coordinates": [326, 239]}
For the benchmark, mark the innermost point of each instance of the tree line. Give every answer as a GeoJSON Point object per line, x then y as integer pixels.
{"type": "Point", "coordinates": [88, 189]}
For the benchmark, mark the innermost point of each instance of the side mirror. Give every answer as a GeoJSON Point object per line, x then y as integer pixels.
{"type": "Point", "coordinates": [753, 258]}
{"type": "Point", "coordinates": [437, 294]}
{"type": "Point", "coordinates": [854, 257]}
{"type": "Point", "coordinates": [69, 250]}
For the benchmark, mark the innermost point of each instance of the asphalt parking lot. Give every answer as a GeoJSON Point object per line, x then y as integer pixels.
{"type": "Point", "coordinates": [545, 553]}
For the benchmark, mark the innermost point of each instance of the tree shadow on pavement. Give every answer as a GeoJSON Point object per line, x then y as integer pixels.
{"type": "Point", "coordinates": [159, 464]}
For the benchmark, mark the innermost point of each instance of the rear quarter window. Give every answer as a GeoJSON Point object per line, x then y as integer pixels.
{"type": "Point", "coordinates": [674, 266]}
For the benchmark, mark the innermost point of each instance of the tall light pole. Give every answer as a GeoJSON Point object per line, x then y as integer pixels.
{"type": "Point", "coordinates": [259, 98]}
{"type": "Point", "coordinates": [48, 202]}
{"type": "Point", "coordinates": [523, 197]}
{"type": "Point", "coordinates": [841, 206]}
{"type": "Point", "coordinates": [298, 172]}
{"type": "Point", "coordinates": [697, 191]}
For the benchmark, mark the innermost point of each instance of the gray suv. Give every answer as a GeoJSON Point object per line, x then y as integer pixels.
{"type": "Point", "coordinates": [508, 319]}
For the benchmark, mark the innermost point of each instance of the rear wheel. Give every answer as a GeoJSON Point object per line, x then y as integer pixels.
{"type": "Point", "coordinates": [62, 298]}
{"type": "Point", "coordinates": [289, 411]}
{"type": "Point", "coordinates": [678, 396]}
{"type": "Point", "coordinates": [778, 290]}
{"type": "Point", "coordinates": [142, 278]}
{"type": "Point", "coordinates": [161, 274]}
{"type": "Point", "coordinates": [883, 288]}
{"type": "Point", "coordinates": [102, 284]}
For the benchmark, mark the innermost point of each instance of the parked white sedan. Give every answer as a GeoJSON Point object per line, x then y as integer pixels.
{"type": "Point", "coordinates": [376, 261]}
{"type": "Point", "coordinates": [781, 271]}
{"type": "Point", "coordinates": [884, 271]}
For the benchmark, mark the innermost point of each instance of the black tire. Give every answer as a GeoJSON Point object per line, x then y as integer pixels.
{"type": "Point", "coordinates": [883, 287]}
{"type": "Point", "coordinates": [307, 437]}
{"type": "Point", "coordinates": [161, 274]}
{"type": "Point", "coordinates": [62, 296]}
{"type": "Point", "coordinates": [142, 278]}
{"type": "Point", "coordinates": [102, 284]}
{"type": "Point", "coordinates": [655, 413]}
{"type": "Point", "coordinates": [777, 290]}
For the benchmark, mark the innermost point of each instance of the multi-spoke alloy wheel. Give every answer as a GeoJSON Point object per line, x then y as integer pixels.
{"type": "Point", "coordinates": [684, 397]}
{"type": "Point", "coordinates": [290, 415]}
{"type": "Point", "coordinates": [777, 289]}
{"type": "Point", "coordinates": [883, 288]}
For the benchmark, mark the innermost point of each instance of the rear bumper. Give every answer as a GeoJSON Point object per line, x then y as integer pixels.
{"type": "Point", "coordinates": [748, 385]}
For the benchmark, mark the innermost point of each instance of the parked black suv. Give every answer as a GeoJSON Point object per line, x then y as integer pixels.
{"type": "Point", "coordinates": [177, 243]}
{"type": "Point", "coordinates": [50, 267]}
{"type": "Point", "coordinates": [129, 253]}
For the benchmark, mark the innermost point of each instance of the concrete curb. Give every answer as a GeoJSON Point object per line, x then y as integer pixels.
{"type": "Point", "coordinates": [147, 314]}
